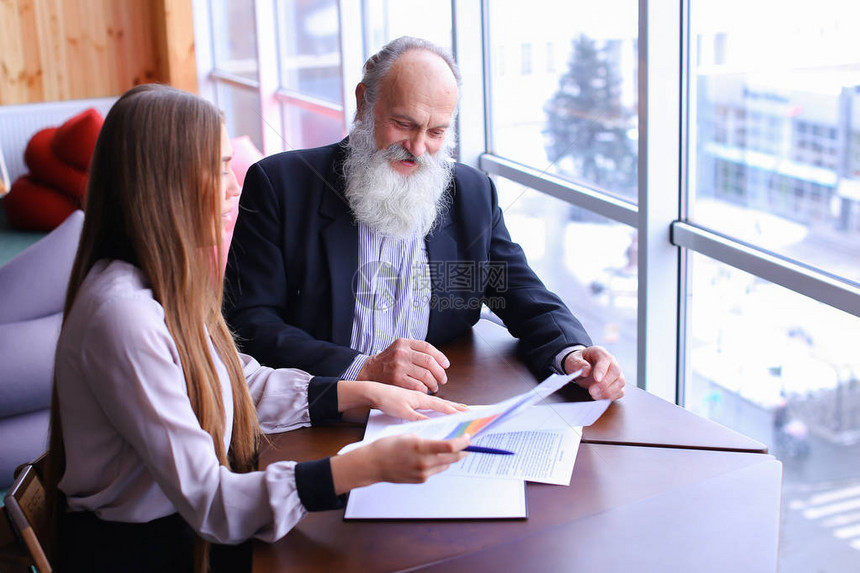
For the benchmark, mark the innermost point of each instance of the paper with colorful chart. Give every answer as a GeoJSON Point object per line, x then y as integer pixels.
{"type": "Point", "coordinates": [543, 438]}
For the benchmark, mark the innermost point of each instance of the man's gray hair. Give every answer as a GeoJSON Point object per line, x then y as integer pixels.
{"type": "Point", "coordinates": [378, 65]}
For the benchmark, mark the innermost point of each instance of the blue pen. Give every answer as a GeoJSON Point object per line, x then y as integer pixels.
{"type": "Point", "coordinates": [483, 450]}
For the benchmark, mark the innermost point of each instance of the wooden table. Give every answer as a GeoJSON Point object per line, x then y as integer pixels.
{"type": "Point", "coordinates": [485, 364]}
{"type": "Point", "coordinates": [630, 509]}
{"type": "Point", "coordinates": [693, 506]}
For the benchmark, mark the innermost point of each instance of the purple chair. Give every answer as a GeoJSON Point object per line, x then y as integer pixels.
{"type": "Point", "coordinates": [32, 294]}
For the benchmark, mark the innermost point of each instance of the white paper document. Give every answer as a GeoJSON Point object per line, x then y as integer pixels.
{"type": "Point", "coordinates": [567, 413]}
{"type": "Point", "coordinates": [544, 445]}
{"type": "Point", "coordinates": [544, 449]}
{"type": "Point", "coordinates": [443, 496]}
{"type": "Point", "coordinates": [476, 421]}
{"type": "Point", "coordinates": [544, 438]}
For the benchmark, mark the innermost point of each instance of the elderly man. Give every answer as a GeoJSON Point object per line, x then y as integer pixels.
{"type": "Point", "coordinates": [358, 259]}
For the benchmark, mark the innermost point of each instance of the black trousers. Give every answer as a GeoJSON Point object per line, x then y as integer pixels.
{"type": "Point", "coordinates": [165, 545]}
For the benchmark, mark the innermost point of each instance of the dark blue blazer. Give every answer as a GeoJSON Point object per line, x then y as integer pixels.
{"type": "Point", "coordinates": [293, 261]}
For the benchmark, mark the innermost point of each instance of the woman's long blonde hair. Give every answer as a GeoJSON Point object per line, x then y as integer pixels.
{"type": "Point", "coordinates": [153, 200]}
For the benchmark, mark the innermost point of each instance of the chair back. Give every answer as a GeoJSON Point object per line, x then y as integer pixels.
{"type": "Point", "coordinates": [27, 508]}
{"type": "Point", "coordinates": [13, 558]}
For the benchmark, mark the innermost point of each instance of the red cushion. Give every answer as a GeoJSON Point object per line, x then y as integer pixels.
{"type": "Point", "coordinates": [47, 167]}
{"type": "Point", "coordinates": [75, 141]}
{"type": "Point", "coordinates": [36, 207]}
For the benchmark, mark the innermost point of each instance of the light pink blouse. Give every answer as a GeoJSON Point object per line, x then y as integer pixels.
{"type": "Point", "coordinates": [134, 448]}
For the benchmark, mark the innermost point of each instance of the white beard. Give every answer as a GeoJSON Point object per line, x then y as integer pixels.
{"type": "Point", "coordinates": [390, 203]}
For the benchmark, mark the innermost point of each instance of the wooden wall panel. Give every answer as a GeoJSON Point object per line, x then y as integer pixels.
{"type": "Point", "coordinates": [52, 50]}
{"type": "Point", "coordinates": [174, 25]}
{"type": "Point", "coordinates": [50, 25]}
{"type": "Point", "coordinates": [13, 53]}
{"type": "Point", "coordinates": [129, 63]}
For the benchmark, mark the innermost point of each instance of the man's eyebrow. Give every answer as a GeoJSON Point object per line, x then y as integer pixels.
{"type": "Point", "coordinates": [403, 117]}
{"type": "Point", "coordinates": [410, 119]}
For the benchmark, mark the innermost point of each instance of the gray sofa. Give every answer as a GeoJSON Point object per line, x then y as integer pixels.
{"type": "Point", "coordinates": [33, 287]}
{"type": "Point", "coordinates": [32, 292]}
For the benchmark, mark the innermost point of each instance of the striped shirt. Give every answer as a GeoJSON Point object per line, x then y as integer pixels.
{"type": "Point", "coordinates": [392, 297]}
{"type": "Point", "coordinates": [392, 294]}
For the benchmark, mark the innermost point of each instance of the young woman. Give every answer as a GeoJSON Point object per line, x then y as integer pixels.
{"type": "Point", "coordinates": [156, 417]}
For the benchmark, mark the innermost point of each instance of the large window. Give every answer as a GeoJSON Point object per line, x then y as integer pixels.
{"type": "Point", "coordinates": [598, 284]}
{"type": "Point", "coordinates": [784, 369]}
{"type": "Point", "coordinates": [686, 175]}
{"type": "Point", "coordinates": [235, 66]}
{"type": "Point", "coordinates": [776, 108]}
{"type": "Point", "coordinates": [274, 67]}
{"type": "Point", "coordinates": [285, 71]}
{"type": "Point", "coordinates": [310, 80]}
{"type": "Point", "coordinates": [563, 89]}
{"type": "Point", "coordinates": [562, 103]}
{"type": "Point", "coordinates": [389, 19]}
{"type": "Point", "coordinates": [773, 114]}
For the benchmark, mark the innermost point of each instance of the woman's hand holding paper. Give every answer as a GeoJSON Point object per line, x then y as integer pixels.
{"type": "Point", "coordinates": [400, 459]}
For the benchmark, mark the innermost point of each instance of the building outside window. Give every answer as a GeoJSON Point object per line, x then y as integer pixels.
{"type": "Point", "coordinates": [575, 120]}
{"type": "Point", "coordinates": [762, 359]}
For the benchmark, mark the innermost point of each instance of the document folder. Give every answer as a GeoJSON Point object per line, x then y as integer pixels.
{"type": "Point", "coordinates": [440, 497]}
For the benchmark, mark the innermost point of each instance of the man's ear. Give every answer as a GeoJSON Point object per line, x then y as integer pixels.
{"type": "Point", "coordinates": [359, 98]}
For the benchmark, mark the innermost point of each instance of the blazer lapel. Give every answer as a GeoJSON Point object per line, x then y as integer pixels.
{"type": "Point", "coordinates": [340, 240]}
{"type": "Point", "coordinates": [441, 249]}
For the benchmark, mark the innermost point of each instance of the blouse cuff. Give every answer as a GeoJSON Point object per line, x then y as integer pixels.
{"type": "Point", "coordinates": [322, 400]}
{"type": "Point", "coordinates": [315, 485]}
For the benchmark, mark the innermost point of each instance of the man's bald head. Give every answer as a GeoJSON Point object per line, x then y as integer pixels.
{"type": "Point", "coordinates": [379, 64]}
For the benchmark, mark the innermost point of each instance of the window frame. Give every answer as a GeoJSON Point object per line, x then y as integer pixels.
{"type": "Point", "coordinates": [666, 236]}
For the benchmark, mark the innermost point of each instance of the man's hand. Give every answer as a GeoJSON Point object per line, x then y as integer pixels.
{"type": "Point", "coordinates": [601, 374]}
{"type": "Point", "coordinates": [412, 364]}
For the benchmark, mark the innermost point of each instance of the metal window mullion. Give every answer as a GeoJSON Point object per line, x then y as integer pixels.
{"type": "Point", "coordinates": [233, 79]}
{"type": "Point", "coordinates": [575, 194]}
{"type": "Point", "coordinates": [271, 114]}
{"type": "Point", "coordinates": [204, 50]}
{"type": "Point", "coordinates": [352, 54]}
{"type": "Point", "coordinates": [800, 278]}
{"type": "Point", "coordinates": [489, 142]}
{"type": "Point", "coordinates": [659, 193]}
{"type": "Point", "coordinates": [309, 103]}
{"type": "Point", "coordinates": [688, 167]}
